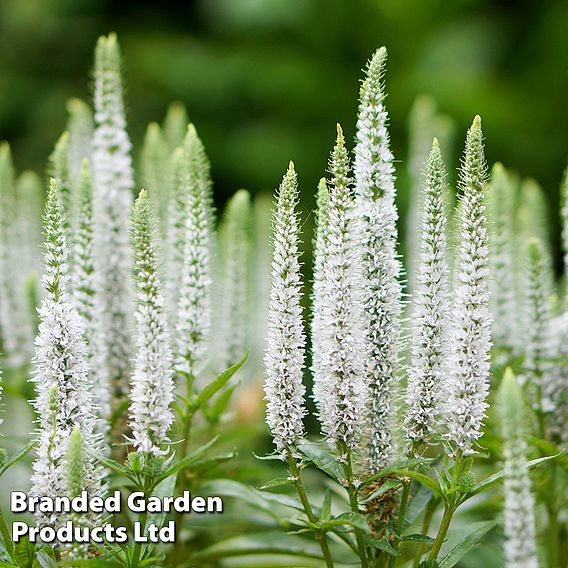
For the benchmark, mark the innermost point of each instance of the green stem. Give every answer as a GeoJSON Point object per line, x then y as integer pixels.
{"type": "Point", "coordinates": [301, 490]}
{"type": "Point", "coordinates": [428, 515]}
{"type": "Point", "coordinates": [401, 517]}
{"type": "Point", "coordinates": [187, 420]}
{"type": "Point", "coordinates": [450, 506]}
{"type": "Point", "coordinates": [442, 531]}
{"type": "Point", "coordinates": [353, 502]}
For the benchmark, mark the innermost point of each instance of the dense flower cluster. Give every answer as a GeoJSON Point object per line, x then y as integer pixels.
{"type": "Point", "coordinates": [112, 198]}
{"type": "Point", "coordinates": [519, 513]}
{"type": "Point", "coordinates": [468, 369]}
{"type": "Point", "coordinates": [339, 378]}
{"type": "Point", "coordinates": [430, 317]}
{"type": "Point", "coordinates": [285, 344]}
{"type": "Point", "coordinates": [152, 382]}
{"type": "Point", "coordinates": [377, 216]}
{"type": "Point", "coordinates": [64, 400]}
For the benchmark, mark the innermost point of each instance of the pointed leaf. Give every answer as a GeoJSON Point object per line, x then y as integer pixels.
{"type": "Point", "coordinates": [321, 455]}
{"type": "Point", "coordinates": [466, 543]}
{"type": "Point", "coordinates": [325, 511]}
{"type": "Point", "coordinates": [216, 384]}
{"type": "Point", "coordinates": [16, 458]}
{"type": "Point", "coordinates": [188, 460]}
{"type": "Point", "coordinates": [496, 477]}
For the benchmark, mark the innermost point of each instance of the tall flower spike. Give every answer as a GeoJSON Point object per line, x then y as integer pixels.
{"type": "Point", "coordinates": [30, 192]}
{"type": "Point", "coordinates": [152, 383]}
{"type": "Point", "coordinates": [16, 327]}
{"type": "Point", "coordinates": [519, 515]}
{"type": "Point", "coordinates": [426, 375]}
{"type": "Point", "coordinates": [555, 387]}
{"type": "Point", "coordinates": [112, 199]}
{"type": "Point", "coordinates": [191, 170]}
{"type": "Point", "coordinates": [59, 169]}
{"type": "Point", "coordinates": [376, 210]}
{"type": "Point", "coordinates": [319, 248]}
{"type": "Point", "coordinates": [501, 215]}
{"type": "Point", "coordinates": [285, 343]}
{"type": "Point", "coordinates": [544, 341]}
{"type": "Point", "coordinates": [235, 255]}
{"type": "Point", "coordinates": [80, 126]}
{"type": "Point", "coordinates": [538, 315]}
{"type": "Point", "coordinates": [341, 387]}
{"type": "Point", "coordinates": [193, 309]}
{"type": "Point", "coordinates": [60, 374]}
{"type": "Point", "coordinates": [155, 175]}
{"type": "Point", "coordinates": [84, 294]}
{"type": "Point", "coordinates": [468, 372]}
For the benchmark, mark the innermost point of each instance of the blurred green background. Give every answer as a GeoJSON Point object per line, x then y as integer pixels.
{"type": "Point", "coordinates": [265, 81]}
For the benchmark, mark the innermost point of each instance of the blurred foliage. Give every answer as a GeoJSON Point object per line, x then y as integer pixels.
{"type": "Point", "coordinates": [265, 81]}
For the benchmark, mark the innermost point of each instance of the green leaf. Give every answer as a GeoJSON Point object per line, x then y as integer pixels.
{"type": "Point", "coordinates": [203, 466]}
{"type": "Point", "coordinates": [216, 384]}
{"type": "Point", "coordinates": [410, 545]}
{"type": "Point", "coordinates": [6, 537]}
{"type": "Point", "coordinates": [114, 466]}
{"type": "Point", "coordinates": [418, 538]}
{"type": "Point", "coordinates": [468, 541]}
{"type": "Point", "coordinates": [551, 449]}
{"type": "Point", "coordinates": [16, 458]}
{"type": "Point", "coordinates": [214, 411]}
{"type": "Point", "coordinates": [496, 477]}
{"type": "Point", "coordinates": [188, 460]}
{"type": "Point", "coordinates": [262, 500]}
{"type": "Point", "coordinates": [325, 510]}
{"type": "Point", "coordinates": [24, 553]}
{"type": "Point", "coordinates": [278, 482]}
{"type": "Point", "coordinates": [271, 542]}
{"type": "Point", "coordinates": [269, 457]}
{"type": "Point", "coordinates": [320, 454]}
{"type": "Point", "coordinates": [386, 486]}
{"type": "Point", "coordinates": [382, 544]}
{"type": "Point", "coordinates": [422, 479]}
{"type": "Point", "coordinates": [355, 520]}
{"type": "Point", "coordinates": [396, 468]}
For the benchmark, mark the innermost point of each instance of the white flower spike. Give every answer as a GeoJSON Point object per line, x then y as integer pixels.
{"type": "Point", "coordinates": [152, 383]}
{"type": "Point", "coordinates": [430, 317]}
{"type": "Point", "coordinates": [285, 347]}
{"type": "Point", "coordinates": [376, 210]}
{"type": "Point", "coordinates": [340, 377]}
{"type": "Point", "coordinates": [468, 369]}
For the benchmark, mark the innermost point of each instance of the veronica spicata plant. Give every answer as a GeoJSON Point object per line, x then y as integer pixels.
{"type": "Point", "coordinates": [341, 388]}
{"type": "Point", "coordinates": [152, 377]}
{"type": "Point", "coordinates": [64, 400]}
{"type": "Point", "coordinates": [112, 199]}
{"type": "Point", "coordinates": [377, 215]}
{"type": "Point", "coordinates": [519, 511]}
{"type": "Point", "coordinates": [430, 316]}
{"type": "Point", "coordinates": [468, 370]}
{"type": "Point", "coordinates": [193, 309]}
{"type": "Point", "coordinates": [357, 494]}
{"type": "Point", "coordinates": [285, 349]}
{"type": "Point", "coordinates": [84, 293]}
